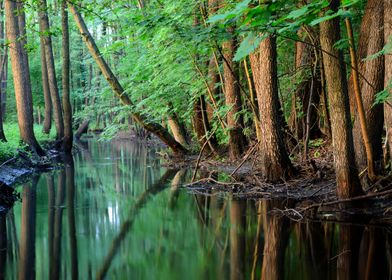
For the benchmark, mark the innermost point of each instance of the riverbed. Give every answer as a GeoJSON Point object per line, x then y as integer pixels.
{"type": "Point", "coordinates": [115, 212]}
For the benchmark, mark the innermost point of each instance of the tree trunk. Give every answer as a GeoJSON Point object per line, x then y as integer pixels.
{"type": "Point", "coordinates": [45, 87]}
{"type": "Point", "coordinates": [154, 128]}
{"type": "Point", "coordinates": [233, 100]}
{"type": "Point", "coordinates": [388, 73]}
{"type": "Point", "coordinates": [304, 59]}
{"type": "Point", "coordinates": [275, 163]}
{"type": "Point", "coordinates": [335, 74]}
{"type": "Point", "coordinates": [3, 59]}
{"type": "Point", "coordinates": [68, 134]}
{"type": "Point", "coordinates": [51, 70]}
{"type": "Point", "coordinates": [177, 129]}
{"type": "Point", "coordinates": [201, 124]}
{"type": "Point", "coordinates": [20, 70]}
{"type": "Point", "coordinates": [371, 41]}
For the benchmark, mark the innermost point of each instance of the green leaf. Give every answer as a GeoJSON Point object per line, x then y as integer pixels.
{"type": "Point", "coordinates": [248, 45]}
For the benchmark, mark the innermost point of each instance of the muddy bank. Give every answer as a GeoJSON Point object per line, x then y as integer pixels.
{"type": "Point", "coordinates": [23, 165]}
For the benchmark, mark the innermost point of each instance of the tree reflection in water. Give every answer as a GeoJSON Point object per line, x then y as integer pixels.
{"type": "Point", "coordinates": [109, 213]}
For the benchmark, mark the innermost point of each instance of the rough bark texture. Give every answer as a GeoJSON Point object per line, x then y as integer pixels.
{"type": "Point", "coordinates": [388, 72]}
{"type": "Point", "coordinates": [371, 41]}
{"type": "Point", "coordinates": [233, 100]}
{"type": "Point", "coordinates": [177, 129]}
{"type": "Point", "coordinates": [45, 87]}
{"type": "Point", "coordinates": [68, 134]}
{"type": "Point", "coordinates": [22, 84]}
{"type": "Point", "coordinates": [51, 70]}
{"type": "Point", "coordinates": [342, 141]}
{"type": "Point", "coordinates": [154, 128]}
{"type": "Point", "coordinates": [275, 163]}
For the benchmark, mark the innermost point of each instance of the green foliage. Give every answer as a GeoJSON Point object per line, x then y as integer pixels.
{"type": "Point", "coordinates": [9, 149]}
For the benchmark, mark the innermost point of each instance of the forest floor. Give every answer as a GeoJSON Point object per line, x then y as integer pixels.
{"type": "Point", "coordinates": [311, 194]}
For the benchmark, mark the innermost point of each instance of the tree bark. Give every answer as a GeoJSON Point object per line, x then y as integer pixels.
{"type": "Point", "coordinates": [152, 127]}
{"type": "Point", "coordinates": [20, 70]}
{"type": "Point", "coordinates": [233, 99]}
{"type": "Point", "coordinates": [3, 59]}
{"type": "Point", "coordinates": [51, 70]}
{"type": "Point", "coordinates": [68, 134]}
{"type": "Point", "coordinates": [371, 41]}
{"type": "Point", "coordinates": [275, 163]}
{"type": "Point", "coordinates": [177, 129]}
{"type": "Point", "coordinates": [388, 73]}
{"type": "Point", "coordinates": [335, 73]}
{"type": "Point", "coordinates": [45, 87]}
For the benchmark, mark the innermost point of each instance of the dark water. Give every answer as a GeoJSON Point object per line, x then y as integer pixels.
{"type": "Point", "coordinates": [115, 213]}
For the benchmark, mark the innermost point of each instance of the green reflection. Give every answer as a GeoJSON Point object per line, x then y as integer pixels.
{"type": "Point", "coordinates": [114, 212]}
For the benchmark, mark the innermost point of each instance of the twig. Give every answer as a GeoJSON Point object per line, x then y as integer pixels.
{"type": "Point", "coordinates": [356, 198]}
{"type": "Point", "coordinates": [7, 161]}
{"type": "Point", "coordinates": [245, 158]}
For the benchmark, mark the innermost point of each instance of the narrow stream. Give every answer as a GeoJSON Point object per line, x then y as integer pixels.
{"type": "Point", "coordinates": [117, 214]}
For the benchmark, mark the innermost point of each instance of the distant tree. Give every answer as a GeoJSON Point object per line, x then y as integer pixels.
{"type": "Point", "coordinates": [68, 134]}
{"type": "Point", "coordinates": [50, 67]}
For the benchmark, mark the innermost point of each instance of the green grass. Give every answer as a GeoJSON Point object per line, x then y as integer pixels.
{"type": "Point", "coordinates": [8, 149]}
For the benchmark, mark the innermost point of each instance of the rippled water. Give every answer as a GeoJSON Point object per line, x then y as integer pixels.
{"type": "Point", "coordinates": [115, 213]}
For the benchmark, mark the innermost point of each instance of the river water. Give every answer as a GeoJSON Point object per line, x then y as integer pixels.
{"type": "Point", "coordinates": [116, 213]}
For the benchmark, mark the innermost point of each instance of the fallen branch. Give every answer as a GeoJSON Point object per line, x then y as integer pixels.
{"type": "Point", "coordinates": [245, 158]}
{"type": "Point", "coordinates": [356, 198]}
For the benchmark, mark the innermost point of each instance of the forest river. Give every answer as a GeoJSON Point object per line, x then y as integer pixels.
{"type": "Point", "coordinates": [118, 214]}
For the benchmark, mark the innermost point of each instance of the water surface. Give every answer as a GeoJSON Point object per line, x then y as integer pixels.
{"type": "Point", "coordinates": [116, 213]}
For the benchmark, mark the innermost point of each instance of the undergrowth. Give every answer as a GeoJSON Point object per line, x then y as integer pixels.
{"type": "Point", "coordinates": [9, 149]}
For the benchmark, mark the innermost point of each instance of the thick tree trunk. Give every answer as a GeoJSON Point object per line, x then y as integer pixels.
{"type": "Point", "coordinates": [388, 73]}
{"type": "Point", "coordinates": [20, 70]}
{"type": "Point", "coordinates": [233, 100]}
{"type": "Point", "coordinates": [51, 70]}
{"type": "Point", "coordinates": [154, 128]}
{"type": "Point", "coordinates": [371, 41]}
{"type": "Point", "coordinates": [275, 163]}
{"type": "Point", "coordinates": [68, 134]}
{"type": "Point", "coordinates": [45, 87]}
{"type": "Point", "coordinates": [335, 73]}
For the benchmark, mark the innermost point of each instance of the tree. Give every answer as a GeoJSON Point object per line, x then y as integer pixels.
{"type": "Point", "coordinates": [388, 73]}
{"type": "Point", "coordinates": [50, 67]}
{"type": "Point", "coordinates": [68, 134]}
{"type": "Point", "coordinates": [152, 127]}
{"type": "Point", "coordinates": [275, 163]}
{"type": "Point", "coordinates": [233, 98]}
{"type": "Point", "coordinates": [3, 69]}
{"type": "Point", "coordinates": [368, 128]}
{"type": "Point", "coordinates": [335, 74]}
{"type": "Point", "coordinates": [20, 70]}
{"type": "Point", "coordinates": [46, 91]}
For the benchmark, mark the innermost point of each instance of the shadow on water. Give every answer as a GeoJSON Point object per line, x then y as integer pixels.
{"type": "Point", "coordinates": [114, 212]}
